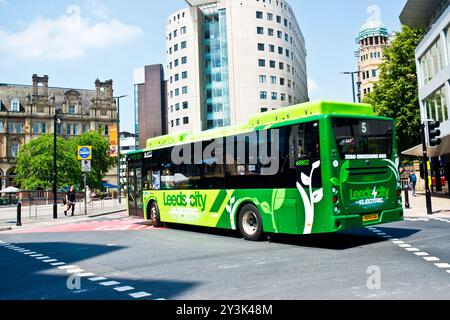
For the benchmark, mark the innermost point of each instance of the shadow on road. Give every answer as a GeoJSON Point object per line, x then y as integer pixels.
{"type": "Point", "coordinates": [26, 278]}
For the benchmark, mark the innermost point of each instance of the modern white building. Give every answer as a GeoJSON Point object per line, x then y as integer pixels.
{"type": "Point", "coordinates": [230, 59]}
{"type": "Point", "coordinates": [433, 69]}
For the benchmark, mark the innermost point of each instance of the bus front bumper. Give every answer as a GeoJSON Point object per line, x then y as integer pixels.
{"type": "Point", "coordinates": [345, 222]}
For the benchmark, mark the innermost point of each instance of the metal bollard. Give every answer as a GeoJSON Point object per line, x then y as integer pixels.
{"type": "Point", "coordinates": [407, 205]}
{"type": "Point", "coordinates": [19, 214]}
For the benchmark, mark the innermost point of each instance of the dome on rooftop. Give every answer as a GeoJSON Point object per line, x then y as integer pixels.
{"type": "Point", "coordinates": [373, 28]}
{"type": "Point", "coordinates": [373, 24]}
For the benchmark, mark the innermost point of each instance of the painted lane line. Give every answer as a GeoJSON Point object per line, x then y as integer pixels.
{"type": "Point", "coordinates": [23, 251]}
{"type": "Point", "coordinates": [122, 289]}
{"type": "Point", "coordinates": [421, 254]}
{"type": "Point", "coordinates": [442, 265]}
{"type": "Point", "coordinates": [405, 245]}
{"type": "Point", "coordinates": [97, 279]}
{"type": "Point", "coordinates": [74, 270]}
{"type": "Point", "coordinates": [431, 259]}
{"type": "Point", "coordinates": [42, 258]}
{"type": "Point", "coordinates": [141, 294]}
{"type": "Point", "coordinates": [36, 255]}
{"type": "Point", "coordinates": [58, 264]}
{"type": "Point", "coordinates": [109, 283]}
{"type": "Point", "coordinates": [397, 241]}
{"type": "Point", "coordinates": [87, 274]}
{"type": "Point", "coordinates": [448, 271]}
{"type": "Point", "coordinates": [67, 267]}
{"type": "Point", "coordinates": [412, 249]}
{"type": "Point", "coordinates": [28, 253]}
{"type": "Point", "coordinates": [50, 260]}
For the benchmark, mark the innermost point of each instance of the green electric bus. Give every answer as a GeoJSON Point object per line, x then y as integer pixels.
{"type": "Point", "coordinates": [318, 167]}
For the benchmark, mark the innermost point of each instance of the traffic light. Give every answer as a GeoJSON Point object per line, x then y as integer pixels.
{"type": "Point", "coordinates": [434, 133]}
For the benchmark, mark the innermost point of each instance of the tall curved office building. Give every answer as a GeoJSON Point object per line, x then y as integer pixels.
{"type": "Point", "coordinates": [230, 59]}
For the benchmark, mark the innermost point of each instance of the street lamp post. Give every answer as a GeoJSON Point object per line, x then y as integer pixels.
{"type": "Point", "coordinates": [56, 121]}
{"type": "Point", "coordinates": [353, 82]}
{"type": "Point", "coordinates": [118, 146]}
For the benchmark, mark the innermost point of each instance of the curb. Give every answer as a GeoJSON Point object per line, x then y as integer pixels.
{"type": "Point", "coordinates": [5, 228]}
{"type": "Point", "coordinates": [105, 213]}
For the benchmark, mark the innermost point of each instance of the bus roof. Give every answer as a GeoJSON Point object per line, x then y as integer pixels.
{"type": "Point", "coordinates": [264, 120]}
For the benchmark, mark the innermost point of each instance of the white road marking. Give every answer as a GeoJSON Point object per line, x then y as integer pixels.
{"type": "Point", "coordinates": [405, 245]}
{"type": "Point", "coordinates": [109, 283]}
{"type": "Point", "coordinates": [398, 242]}
{"type": "Point", "coordinates": [122, 289]}
{"type": "Point", "coordinates": [87, 274]}
{"type": "Point", "coordinates": [97, 279]}
{"type": "Point", "coordinates": [67, 267]}
{"type": "Point", "coordinates": [442, 265]}
{"type": "Point", "coordinates": [50, 260]}
{"type": "Point", "coordinates": [412, 249]}
{"type": "Point", "coordinates": [421, 254]}
{"type": "Point", "coordinates": [58, 264]}
{"type": "Point", "coordinates": [74, 270]}
{"type": "Point", "coordinates": [42, 258]}
{"type": "Point", "coordinates": [141, 294]}
{"type": "Point", "coordinates": [431, 259]}
{"type": "Point", "coordinates": [140, 227]}
{"type": "Point", "coordinates": [36, 255]}
{"type": "Point", "coordinates": [28, 253]}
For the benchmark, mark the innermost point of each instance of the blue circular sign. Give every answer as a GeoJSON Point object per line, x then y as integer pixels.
{"type": "Point", "coordinates": [84, 153]}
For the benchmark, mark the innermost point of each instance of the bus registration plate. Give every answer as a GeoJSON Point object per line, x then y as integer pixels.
{"type": "Point", "coordinates": [371, 217]}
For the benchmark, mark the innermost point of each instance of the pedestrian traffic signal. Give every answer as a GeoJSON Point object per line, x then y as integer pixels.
{"type": "Point", "coordinates": [434, 133]}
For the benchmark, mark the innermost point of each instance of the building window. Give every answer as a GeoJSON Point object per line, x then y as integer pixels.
{"type": "Point", "coordinates": [36, 126]}
{"type": "Point", "coordinates": [262, 79]}
{"type": "Point", "coordinates": [436, 106]}
{"type": "Point", "coordinates": [272, 64]}
{"type": "Point", "coordinates": [14, 150]}
{"type": "Point", "coordinates": [374, 73]}
{"type": "Point", "coordinates": [183, 60]}
{"type": "Point", "coordinates": [185, 105]}
{"type": "Point", "coordinates": [259, 15]}
{"type": "Point", "coordinates": [184, 75]}
{"type": "Point", "coordinates": [85, 128]}
{"type": "Point", "coordinates": [281, 66]}
{"type": "Point", "coordinates": [171, 123]}
{"type": "Point", "coordinates": [270, 32]}
{"type": "Point", "coordinates": [271, 48]}
{"type": "Point", "coordinates": [182, 30]}
{"type": "Point", "coordinates": [280, 50]}
{"type": "Point", "coordinates": [176, 63]}
{"type": "Point", "coordinates": [184, 90]}
{"type": "Point", "coordinates": [261, 46]}
{"type": "Point", "coordinates": [183, 45]}
{"type": "Point", "coordinates": [177, 122]}
{"type": "Point", "coordinates": [262, 62]}
{"type": "Point", "coordinates": [279, 34]}
{"type": "Point", "coordinates": [177, 77]}
{"type": "Point", "coordinates": [432, 61]}
{"type": "Point", "coordinates": [177, 92]}
{"type": "Point", "coordinates": [259, 30]}
{"type": "Point", "coordinates": [283, 97]}
{"type": "Point", "coordinates": [1, 127]}
{"type": "Point", "coordinates": [186, 120]}
{"type": "Point", "coordinates": [177, 106]}
{"type": "Point", "coordinates": [270, 17]}
{"type": "Point", "coordinates": [274, 96]}
{"type": "Point", "coordinates": [273, 80]}
{"type": "Point", "coordinates": [71, 109]}
{"type": "Point", "coordinates": [263, 110]}
{"type": "Point", "coordinates": [278, 19]}
{"type": "Point", "coordinates": [263, 95]}
{"type": "Point", "coordinates": [15, 105]}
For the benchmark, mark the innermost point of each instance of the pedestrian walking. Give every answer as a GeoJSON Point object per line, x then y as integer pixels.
{"type": "Point", "coordinates": [70, 198]}
{"type": "Point", "coordinates": [413, 182]}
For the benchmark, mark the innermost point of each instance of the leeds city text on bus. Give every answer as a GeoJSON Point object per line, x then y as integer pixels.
{"type": "Point", "coordinates": [318, 167]}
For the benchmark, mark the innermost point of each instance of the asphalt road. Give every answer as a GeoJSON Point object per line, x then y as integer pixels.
{"type": "Point", "coordinates": [404, 260]}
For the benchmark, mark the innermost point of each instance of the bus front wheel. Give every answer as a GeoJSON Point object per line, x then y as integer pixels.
{"type": "Point", "coordinates": [250, 223]}
{"type": "Point", "coordinates": [154, 215]}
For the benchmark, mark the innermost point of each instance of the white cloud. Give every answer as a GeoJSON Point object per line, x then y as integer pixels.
{"type": "Point", "coordinates": [313, 87]}
{"type": "Point", "coordinates": [66, 37]}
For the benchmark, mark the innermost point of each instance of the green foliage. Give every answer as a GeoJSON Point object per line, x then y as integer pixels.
{"type": "Point", "coordinates": [35, 162]}
{"type": "Point", "coordinates": [396, 94]}
{"type": "Point", "coordinates": [101, 161]}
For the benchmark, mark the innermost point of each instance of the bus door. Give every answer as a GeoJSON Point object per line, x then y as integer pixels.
{"type": "Point", "coordinates": [135, 189]}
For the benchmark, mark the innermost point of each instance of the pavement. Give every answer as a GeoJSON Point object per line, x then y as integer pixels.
{"type": "Point", "coordinates": [35, 216]}
{"type": "Point", "coordinates": [440, 206]}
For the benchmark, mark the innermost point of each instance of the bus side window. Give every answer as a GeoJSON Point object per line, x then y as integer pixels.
{"type": "Point", "coordinates": [155, 180]}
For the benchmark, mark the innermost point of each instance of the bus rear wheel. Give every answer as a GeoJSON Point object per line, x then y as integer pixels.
{"type": "Point", "coordinates": [154, 215]}
{"type": "Point", "coordinates": [250, 223]}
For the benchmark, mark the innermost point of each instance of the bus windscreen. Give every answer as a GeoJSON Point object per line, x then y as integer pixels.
{"type": "Point", "coordinates": [361, 139]}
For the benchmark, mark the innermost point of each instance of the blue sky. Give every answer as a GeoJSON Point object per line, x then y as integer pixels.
{"type": "Point", "coordinates": [78, 41]}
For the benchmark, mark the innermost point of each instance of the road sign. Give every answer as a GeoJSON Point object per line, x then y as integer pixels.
{"type": "Point", "coordinates": [84, 153]}
{"type": "Point", "coordinates": [86, 165]}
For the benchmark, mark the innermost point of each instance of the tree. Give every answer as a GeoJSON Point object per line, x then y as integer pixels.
{"type": "Point", "coordinates": [101, 161]}
{"type": "Point", "coordinates": [35, 163]}
{"type": "Point", "coordinates": [396, 94]}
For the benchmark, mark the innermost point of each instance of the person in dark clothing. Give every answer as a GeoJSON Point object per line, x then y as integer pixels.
{"type": "Point", "coordinates": [70, 198]}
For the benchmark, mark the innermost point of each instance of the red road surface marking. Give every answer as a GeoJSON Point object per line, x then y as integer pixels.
{"type": "Point", "coordinates": [127, 224]}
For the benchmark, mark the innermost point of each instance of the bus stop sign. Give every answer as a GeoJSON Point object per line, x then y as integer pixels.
{"type": "Point", "coordinates": [84, 153]}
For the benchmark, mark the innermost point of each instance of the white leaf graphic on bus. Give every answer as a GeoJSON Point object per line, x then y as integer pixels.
{"type": "Point", "coordinates": [309, 201]}
{"type": "Point", "coordinates": [230, 208]}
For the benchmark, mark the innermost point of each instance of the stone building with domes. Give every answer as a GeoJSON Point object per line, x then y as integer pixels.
{"type": "Point", "coordinates": [373, 38]}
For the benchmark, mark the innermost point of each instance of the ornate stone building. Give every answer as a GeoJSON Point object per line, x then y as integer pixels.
{"type": "Point", "coordinates": [28, 111]}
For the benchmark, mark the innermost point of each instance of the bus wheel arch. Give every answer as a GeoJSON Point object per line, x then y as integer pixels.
{"type": "Point", "coordinates": [249, 221]}
{"type": "Point", "coordinates": [153, 213]}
